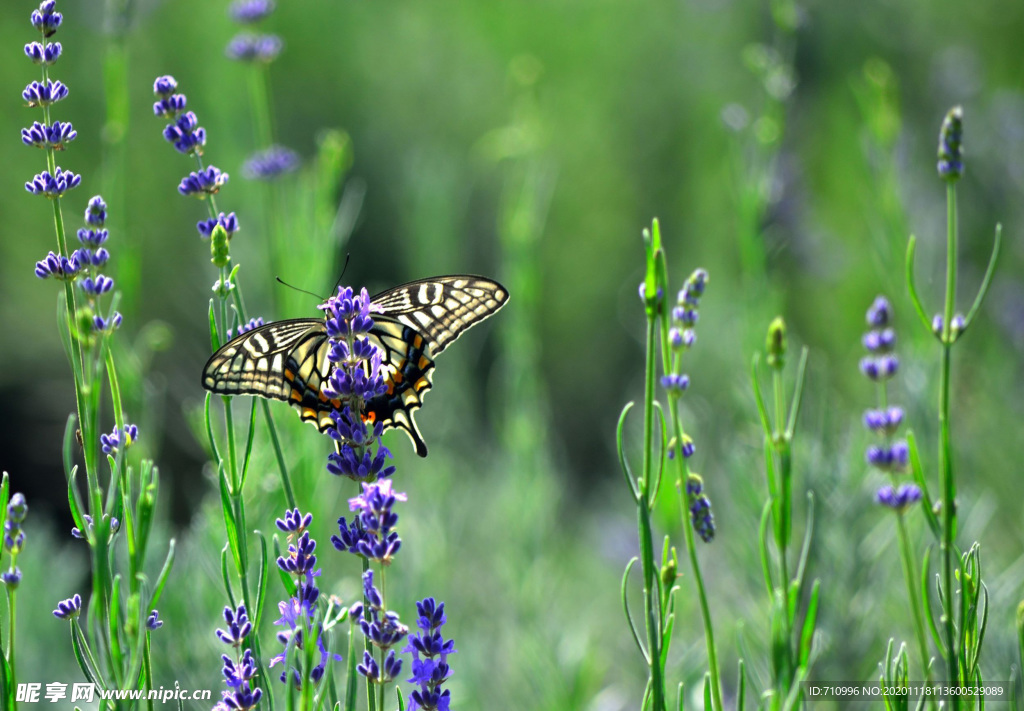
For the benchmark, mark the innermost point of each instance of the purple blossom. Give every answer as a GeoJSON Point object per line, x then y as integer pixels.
{"type": "Point", "coordinates": [46, 20]}
{"type": "Point", "coordinates": [113, 441]}
{"type": "Point", "coordinates": [371, 533]}
{"type": "Point", "coordinates": [185, 133]}
{"type": "Point", "coordinates": [238, 626]}
{"type": "Point", "coordinates": [55, 185]}
{"type": "Point", "coordinates": [43, 54]}
{"type": "Point", "coordinates": [701, 518]}
{"type": "Point", "coordinates": [247, 12]}
{"type": "Point", "coordinates": [900, 498]}
{"type": "Point", "coordinates": [153, 621]}
{"type": "Point", "coordinates": [115, 526]}
{"type": "Point", "coordinates": [430, 652]}
{"type": "Point", "coordinates": [270, 163]}
{"type": "Point", "coordinates": [37, 94]}
{"type": "Point", "coordinates": [229, 222]}
{"type": "Point", "coordinates": [207, 181]}
{"type": "Point", "coordinates": [68, 609]}
{"type": "Point", "coordinates": [247, 47]}
{"type": "Point", "coordinates": [59, 267]}
{"type": "Point", "coordinates": [255, 322]}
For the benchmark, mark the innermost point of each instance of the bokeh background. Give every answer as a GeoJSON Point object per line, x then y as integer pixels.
{"type": "Point", "coordinates": [789, 149]}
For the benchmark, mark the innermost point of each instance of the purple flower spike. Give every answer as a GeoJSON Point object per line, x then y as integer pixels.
{"type": "Point", "coordinates": [55, 185]}
{"type": "Point", "coordinates": [46, 20]}
{"type": "Point", "coordinates": [270, 163]}
{"type": "Point", "coordinates": [898, 499]}
{"type": "Point", "coordinates": [254, 48]}
{"type": "Point", "coordinates": [37, 94]}
{"type": "Point", "coordinates": [43, 54]}
{"type": "Point", "coordinates": [208, 181]}
{"type": "Point", "coordinates": [68, 609]}
{"type": "Point", "coordinates": [247, 12]}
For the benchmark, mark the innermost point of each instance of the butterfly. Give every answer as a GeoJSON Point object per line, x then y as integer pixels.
{"type": "Point", "coordinates": [287, 360]}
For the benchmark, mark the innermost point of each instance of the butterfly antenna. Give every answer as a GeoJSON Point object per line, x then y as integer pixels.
{"type": "Point", "coordinates": [301, 291]}
{"type": "Point", "coordinates": [348, 256]}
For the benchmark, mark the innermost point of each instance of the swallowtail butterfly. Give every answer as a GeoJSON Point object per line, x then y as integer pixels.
{"type": "Point", "coordinates": [287, 360]}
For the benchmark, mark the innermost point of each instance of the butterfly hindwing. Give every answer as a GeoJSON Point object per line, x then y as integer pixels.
{"type": "Point", "coordinates": [287, 360]}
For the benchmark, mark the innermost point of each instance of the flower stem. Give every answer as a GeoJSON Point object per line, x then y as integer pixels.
{"type": "Point", "coordinates": [910, 573]}
{"type": "Point", "coordinates": [652, 602]}
{"type": "Point", "coordinates": [947, 482]}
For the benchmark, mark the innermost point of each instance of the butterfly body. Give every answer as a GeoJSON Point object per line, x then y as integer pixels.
{"type": "Point", "coordinates": [287, 360]}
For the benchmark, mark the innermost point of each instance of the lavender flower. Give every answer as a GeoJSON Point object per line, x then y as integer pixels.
{"type": "Point", "coordinates": [58, 267]}
{"type": "Point", "coordinates": [431, 669]}
{"type": "Point", "coordinates": [46, 19]}
{"type": "Point", "coordinates": [356, 377]}
{"type": "Point", "coordinates": [298, 614]}
{"type": "Point", "coordinates": [381, 627]}
{"type": "Point", "coordinates": [68, 609]}
{"type": "Point", "coordinates": [239, 626]}
{"type": "Point", "coordinates": [898, 499]}
{"type": "Point", "coordinates": [951, 157]}
{"type": "Point", "coordinates": [682, 337]}
{"type": "Point", "coordinates": [701, 518]}
{"type": "Point", "coordinates": [248, 12]}
{"type": "Point", "coordinates": [53, 185]}
{"type": "Point", "coordinates": [238, 672]}
{"type": "Point", "coordinates": [43, 54]}
{"type": "Point", "coordinates": [270, 163]}
{"type": "Point", "coordinates": [247, 47]}
{"type": "Point", "coordinates": [113, 441]}
{"type": "Point", "coordinates": [44, 94]}
{"type": "Point", "coordinates": [54, 136]}
{"type": "Point", "coordinates": [371, 533]}
{"type": "Point", "coordinates": [294, 521]}
{"type": "Point", "coordinates": [229, 222]}
{"type": "Point", "coordinates": [207, 181]}
{"type": "Point", "coordinates": [115, 526]}
{"type": "Point", "coordinates": [246, 327]}
{"type": "Point", "coordinates": [14, 538]}
{"type": "Point", "coordinates": [185, 133]}
{"type": "Point", "coordinates": [153, 621]}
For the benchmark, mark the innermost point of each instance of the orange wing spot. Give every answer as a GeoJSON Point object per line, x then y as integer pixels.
{"type": "Point", "coordinates": [424, 362]}
{"type": "Point", "coordinates": [289, 375]}
{"type": "Point", "coordinates": [421, 384]}
{"type": "Point", "coordinates": [308, 413]}
{"type": "Point", "coordinates": [370, 417]}
{"type": "Point", "coordinates": [323, 398]}
{"type": "Point", "coordinates": [417, 341]}
{"type": "Point", "coordinates": [336, 404]}
{"type": "Point", "coordinates": [296, 395]}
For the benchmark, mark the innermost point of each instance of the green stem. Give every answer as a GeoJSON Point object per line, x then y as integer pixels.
{"type": "Point", "coordinates": [910, 573]}
{"type": "Point", "coordinates": [947, 481]}
{"type": "Point", "coordinates": [652, 603]}
{"type": "Point", "coordinates": [698, 577]}
{"type": "Point", "coordinates": [12, 683]}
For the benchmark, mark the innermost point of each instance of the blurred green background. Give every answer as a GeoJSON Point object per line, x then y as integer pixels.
{"type": "Point", "coordinates": [789, 149]}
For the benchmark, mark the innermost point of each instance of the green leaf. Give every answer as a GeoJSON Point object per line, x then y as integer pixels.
{"type": "Point", "coordinates": [810, 621]}
{"type": "Point", "coordinates": [912, 285]}
{"type": "Point", "coordinates": [625, 608]}
{"type": "Point", "coordinates": [261, 579]}
{"type": "Point", "coordinates": [986, 282]}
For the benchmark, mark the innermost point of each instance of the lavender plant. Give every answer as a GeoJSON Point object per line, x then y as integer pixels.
{"type": "Point", "coordinates": [113, 649]}
{"type": "Point", "coordinates": [11, 517]}
{"type": "Point", "coordinates": [792, 650]}
{"type": "Point", "coordinates": [301, 619]}
{"type": "Point", "coordinates": [673, 334]}
{"type": "Point", "coordinates": [960, 629]}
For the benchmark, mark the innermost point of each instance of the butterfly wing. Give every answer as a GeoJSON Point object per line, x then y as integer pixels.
{"type": "Point", "coordinates": [442, 308]}
{"type": "Point", "coordinates": [419, 320]}
{"type": "Point", "coordinates": [287, 360]}
{"type": "Point", "coordinates": [284, 360]}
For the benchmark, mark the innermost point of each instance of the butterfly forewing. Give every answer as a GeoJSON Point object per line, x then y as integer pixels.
{"type": "Point", "coordinates": [254, 362]}
{"type": "Point", "coordinates": [442, 308]}
{"type": "Point", "coordinates": [287, 360]}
